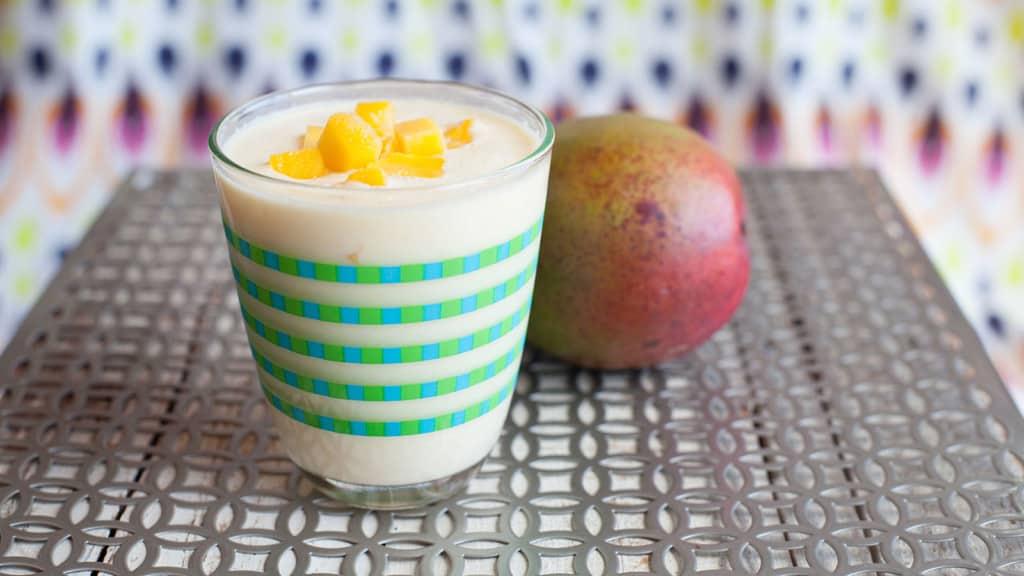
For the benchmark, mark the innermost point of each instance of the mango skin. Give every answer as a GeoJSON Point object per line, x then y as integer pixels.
{"type": "Point", "coordinates": [643, 254]}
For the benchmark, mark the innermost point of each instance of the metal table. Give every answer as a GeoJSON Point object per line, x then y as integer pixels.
{"type": "Point", "coordinates": [845, 421]}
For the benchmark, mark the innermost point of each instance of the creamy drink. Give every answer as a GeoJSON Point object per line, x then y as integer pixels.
{"type": "Point", "coordinates": [385, 281]}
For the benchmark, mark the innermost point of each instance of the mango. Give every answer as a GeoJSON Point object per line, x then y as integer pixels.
{"type": "Point", "coordinates": [371, 176]}
{"type": "Point", "coordinates": [312, 136]}
{"type": "Point", "coordinates": [348, 143]}
{"type": "Point", "coordinates": [299, 164]}
{"type": "Point", "coordinates": [401, 164]}
{"type": "Point", "coordinates": [458, 135]}
{"type": "Point", "coordinates": [644, 253]}
{"type": "Point", "coordinates": [421, 137]}
{"type": "Point", "coordinates": [380, 115]}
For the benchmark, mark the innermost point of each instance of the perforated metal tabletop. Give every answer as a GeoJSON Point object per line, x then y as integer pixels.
{"type": "Point", "coordinates": [845, 421]}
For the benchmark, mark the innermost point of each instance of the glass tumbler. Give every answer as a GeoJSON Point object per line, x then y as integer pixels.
{"type": "Point", "coordinates": [387, 324]}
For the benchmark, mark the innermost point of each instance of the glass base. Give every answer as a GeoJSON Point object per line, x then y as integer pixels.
{"type": "Point", "coordinates": [393, 497]}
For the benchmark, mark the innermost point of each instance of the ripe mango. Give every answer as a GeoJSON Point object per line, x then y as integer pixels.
{"type": "Point", "coordinates": [371, 176]}
{"type": "Point", "coordinates": [380, 115]}
{"type": "Point", "coordinates": [402, 164]}
{"type": "Point", "coordinates": [312, 136]}
{"type": "Point", "coordinates": [348, 143]}
{"type": "Point", "coordinates": [421, 137]}
{"type": "Point", "coordinates": [299, 164]}
{"type": "Point", "coordinates": [644, 253]}
{"type": "Point", "coordinates": [459, 135]}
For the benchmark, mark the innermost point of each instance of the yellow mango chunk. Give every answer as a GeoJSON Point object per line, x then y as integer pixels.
{"type": "Point", "coordinates": [348, 143]}
{"type": "Point", "coordinates": [380, 115]}
{"type": "Point", "coordinates": [371, 175]}
{"type": "Point", "coordinates": [402, 164]}
{"type": "Point", "coordinates": [299, 164]}
{"type": "Point", "coordinates": [312, 137]}
{"type": "Point", "coordinates": [459, 134]}
{"type": "Point", "coordinates": [421, 137]}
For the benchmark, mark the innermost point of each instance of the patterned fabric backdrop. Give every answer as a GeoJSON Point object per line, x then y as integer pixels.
{"type": "Point", "coordinates": [930, 91]}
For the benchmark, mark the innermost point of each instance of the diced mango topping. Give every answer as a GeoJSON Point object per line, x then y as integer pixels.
{"type": "Point", "coordinates": [299, 164]}
{"type": "Point", "coordinates": [421, 137]}
{"type": "Point", "coordinates": [371, 175]}
{"type": "Point", "coordinates": [348, 143]}
{"type": "Point", "coordinates": [369, 146]}
{"type": "Point", "coordinates": [312, 136]}
{"type": "Point", "coordinates": [402, 164]}
{"type": "Point", "coordinates": [380, 115]}
{"type": "Point", "coordinates": [459, 134]}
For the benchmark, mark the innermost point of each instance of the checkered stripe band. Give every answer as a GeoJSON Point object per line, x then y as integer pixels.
{"type": "Point", "coordinates": [392, 428]}
{"type": "Point", "coordinates": [346, 274]}
{"type": "Point", "coordinates": [372, 316]}
{"type": "Point", "coordinates": [387, 355]}
{"type": "Point", "coordinates": [387, 393]}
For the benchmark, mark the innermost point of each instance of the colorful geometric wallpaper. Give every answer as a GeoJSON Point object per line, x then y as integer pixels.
{"type": "Point", "coordinates": [929, 91]}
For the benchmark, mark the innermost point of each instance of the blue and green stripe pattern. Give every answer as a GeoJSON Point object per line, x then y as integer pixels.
{"type": "Point", "coordinates": [378, 316]}
{"type": "Point", "coordinates": [386, 393]}
{"type": "Point", "coordinates": [387, 355]}
{"type": "Point", "coordinates": [394, 428]}
{"type": "Point", "coordinates": [348, 274]}
{"type": "Point", "coordinates": [278, 320]}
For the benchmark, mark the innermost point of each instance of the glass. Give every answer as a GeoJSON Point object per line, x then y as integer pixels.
{"type": "Point", "coordinates": [387, 325]}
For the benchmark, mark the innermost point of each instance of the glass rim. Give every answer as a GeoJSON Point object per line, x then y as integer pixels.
{"type": "Point", "coordinates": [526, 161]}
